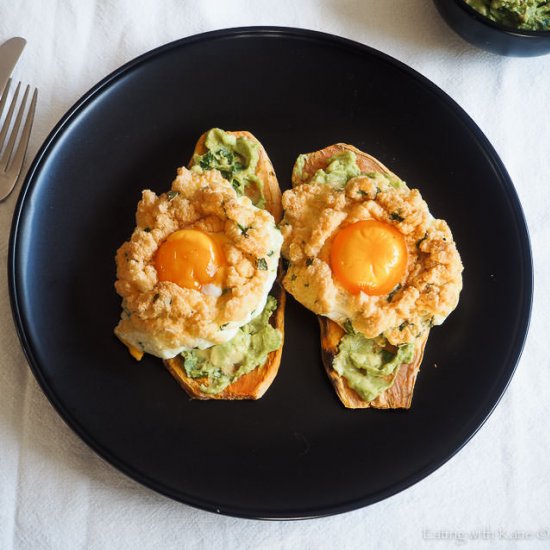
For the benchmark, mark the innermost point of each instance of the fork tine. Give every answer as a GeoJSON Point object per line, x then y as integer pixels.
{"type": "Point", "coordinates": [5, 96]}
{"type": "Point", "coordinates": [7, 120]}
{"type": "Point", "coordinates": [14, 131]}
{"type": "Point", "coordinates": [17, 159]}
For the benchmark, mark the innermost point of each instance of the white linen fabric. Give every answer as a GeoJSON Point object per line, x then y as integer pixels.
{"type": "Point", "coordinates": [55, 493]}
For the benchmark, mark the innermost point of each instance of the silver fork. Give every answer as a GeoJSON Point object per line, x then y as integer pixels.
{"type": "Point", "coordinates": [11, 159]}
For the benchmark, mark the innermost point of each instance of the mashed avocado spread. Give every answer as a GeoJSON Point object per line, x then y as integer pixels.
{"type": "Point", "coordinates": [236, 158]}
{"type": "Point", "coordinates": [340, 169]}
{"type": "Point", "coordinates": [225, 363]}
{"type": "Point", "coordinates": [367, 365]}
{"type": "Point", "coordinates": [533, 15]}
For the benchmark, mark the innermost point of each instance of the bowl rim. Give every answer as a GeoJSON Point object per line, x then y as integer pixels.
{"type": "Point", "coordinates": [521, 33]}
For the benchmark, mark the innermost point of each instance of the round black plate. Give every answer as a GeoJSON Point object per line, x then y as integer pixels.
{"type": "Point", "coordinates": [297, 452]}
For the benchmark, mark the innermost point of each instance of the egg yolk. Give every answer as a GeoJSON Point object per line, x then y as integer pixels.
{"type": "Point", "coordinates": [191, 259]}
{"type": "Point", "coordinates": [369, 256]}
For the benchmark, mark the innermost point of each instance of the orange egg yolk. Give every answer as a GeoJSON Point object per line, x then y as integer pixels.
{"type": "Point", "coordinates": [191, 259]}
{"type": "Point", "coordinates": [369, 256]}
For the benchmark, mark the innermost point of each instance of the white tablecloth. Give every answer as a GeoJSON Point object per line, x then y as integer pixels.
{"type": "Point", "coordinates": [56, 493]}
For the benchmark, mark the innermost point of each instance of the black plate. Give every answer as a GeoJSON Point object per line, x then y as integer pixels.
{"type": "Point", "coordinates": [297, 452]}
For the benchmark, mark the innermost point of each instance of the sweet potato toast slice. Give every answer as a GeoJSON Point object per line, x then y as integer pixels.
{"type": "Point", "coordinates": [399, 395]}
{"type": "Point", "coordinates": [254, 384]}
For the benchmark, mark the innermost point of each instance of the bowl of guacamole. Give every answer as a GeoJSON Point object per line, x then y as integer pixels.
{"type": "Point", "coordinates": [506, 27]}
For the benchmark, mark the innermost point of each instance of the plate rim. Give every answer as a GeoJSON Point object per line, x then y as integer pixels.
{"type": "Point", "coordinates": [281, 32]}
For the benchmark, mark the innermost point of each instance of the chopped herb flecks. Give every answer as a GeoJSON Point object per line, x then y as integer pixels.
{"type": "Point", "coordinates": [244, 229]}
{"type": "Point", "coordinates": [396, 217]}
{"type": "Point", "coordinates": [348, 326]}
{"type": "Point", "coordinates": [206, 160]}
{"type": "Point", "coordinates": [420, 241]}
{"type": "Point", "coordinates": [394, 291]}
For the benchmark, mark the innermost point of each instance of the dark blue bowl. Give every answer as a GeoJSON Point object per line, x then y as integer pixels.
{"type": "Point", "coordinates": [484, 33]}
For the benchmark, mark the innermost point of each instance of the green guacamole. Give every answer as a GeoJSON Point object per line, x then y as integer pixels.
{"type": "Point", "coordinates": [368, 367]}
{"type": "Point", "coordinates": [532, 15]}
{"type": "Point", "coordinates": [341, 168]}
{"type": "Point", "coordinates": [236, 158]}
{"type": "Point", "coordinates": [225, 363]}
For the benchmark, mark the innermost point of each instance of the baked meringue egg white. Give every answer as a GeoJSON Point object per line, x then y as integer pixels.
{"type": "Point", "coordinates": [364, 251]}
{"type": "Point", "coordinates": [198, 266]}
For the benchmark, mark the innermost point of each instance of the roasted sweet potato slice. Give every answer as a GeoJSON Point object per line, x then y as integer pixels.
{"type": "Point", "coordinates": [254, 384]}
{"type": "Point", "coordinates": [399, 395]}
